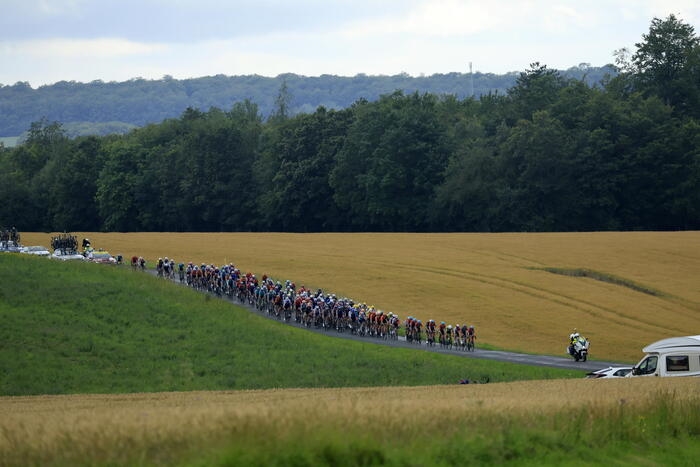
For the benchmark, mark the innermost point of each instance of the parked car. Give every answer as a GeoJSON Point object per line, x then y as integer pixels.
{"type": "Point", "coordinates": [35, 250]}
{"type": "Point", "coordinates": [102, 257]}
{"type": "Point", "coordinates": [676, 356]}
{"type": "Point", "coordinates": [67, 255]}
{"type": "Point", "coordinates": [9, 247]}
{"type": "Point", "coordinates": [610, 372]}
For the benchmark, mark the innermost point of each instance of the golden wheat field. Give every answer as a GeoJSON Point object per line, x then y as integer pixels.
{"type": "Point", "coordinates": [100, 426]}
{"type": "Point", "coordinates": [494, 281]}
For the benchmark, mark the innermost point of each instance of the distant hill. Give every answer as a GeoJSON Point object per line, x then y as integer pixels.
{"type": "Point", "coordinates": [138, 102]}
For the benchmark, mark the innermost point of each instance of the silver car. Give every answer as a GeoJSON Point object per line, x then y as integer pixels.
{"type": "Point", "coordinates": [610, 372]}
{"type": "Point", "coordinates": [9, 247]}
{"type": "Point", "coordinates": [35, 250]}
{"type": "Point", "coordinates": [68, 255]}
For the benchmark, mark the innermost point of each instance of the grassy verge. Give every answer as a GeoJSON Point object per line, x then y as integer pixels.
{"type": "Point", "coordinates": [87, 328]}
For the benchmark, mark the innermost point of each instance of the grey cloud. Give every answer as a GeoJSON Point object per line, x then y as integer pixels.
{"type": "Point", "coordinates": [178, 20]}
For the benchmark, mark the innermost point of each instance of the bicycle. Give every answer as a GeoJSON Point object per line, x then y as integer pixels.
{"type": "Point", "coordinates": [470, 342]}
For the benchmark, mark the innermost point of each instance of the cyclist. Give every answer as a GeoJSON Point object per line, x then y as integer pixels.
{"type": "Point", "coordinates": [430, 331]}
{"type": "Point", "coordinates": [471, 336]}
{"type": "Point", "coordinates": [395, 323]}
{"type": "Point", "coordinates": [408, 328]}
{"type": "Point", "coordinates": [417, 333]}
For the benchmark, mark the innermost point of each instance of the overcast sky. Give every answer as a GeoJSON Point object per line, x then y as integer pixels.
{"type": "Point", "coordinates": [44, 41]}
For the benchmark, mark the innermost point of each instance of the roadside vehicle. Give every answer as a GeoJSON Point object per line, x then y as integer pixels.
{"type": "Point", "coordinates": [102, 257]}
{"type": "Point", "coordinates": [676, 356]}
{"type": "Point", "coordinates": [578, 347]}
{"type": "Point", "coordinates": [35, 250]}
{"type": "Point", "coordinates": [67, 255]}
{"type": "Point", "coordinates": [610, 372]}
{"type": "Point", "coordinates": [9, 247]}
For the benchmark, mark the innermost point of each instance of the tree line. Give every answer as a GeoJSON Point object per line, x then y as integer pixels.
{"type": "Point", "coordinates": [550, 154]}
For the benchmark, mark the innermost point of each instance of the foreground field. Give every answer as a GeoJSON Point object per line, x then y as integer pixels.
{"type": "Point", "coordinates": [523, 292]}
{"type": "Point", "coordinates": [544, 422]}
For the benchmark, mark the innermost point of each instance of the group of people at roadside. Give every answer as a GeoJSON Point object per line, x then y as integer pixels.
{"type": "Point", "coordinates": [9, 235]}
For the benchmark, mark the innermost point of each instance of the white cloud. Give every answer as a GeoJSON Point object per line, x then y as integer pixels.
{"type": "Point", "coordinates": [450, 18]}
{"type": "Point", "coordinates": [51, 7]}
{"type": "Point", "coordinates": [433, 18]}
{"type": "Point", "coordinates": [645, 11]}
{"type": "Point", "coordinates": [464, 18]}
{"type": "Point", "coordinates": [663, 8]}
{"type": "Point", "coordinates": [102, 48]}
{"type": "Point", "coordinates": [563, 19]}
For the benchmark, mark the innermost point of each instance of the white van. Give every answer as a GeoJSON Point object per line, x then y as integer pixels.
{"type": "Point", "coordinates": [677, 356]}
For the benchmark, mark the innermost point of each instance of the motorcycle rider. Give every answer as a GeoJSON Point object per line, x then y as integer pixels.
{"type": "Point", "coordinates": [573, 337]}
{"type": "Point", "coordinates": [576, 340]}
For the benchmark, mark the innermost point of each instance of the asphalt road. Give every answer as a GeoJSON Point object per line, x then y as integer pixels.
{"type": "Point", "coordinates": [502, 356]}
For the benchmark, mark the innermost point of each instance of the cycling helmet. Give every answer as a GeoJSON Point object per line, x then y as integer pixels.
{"type": "Point", "coordinates": [449, 326]}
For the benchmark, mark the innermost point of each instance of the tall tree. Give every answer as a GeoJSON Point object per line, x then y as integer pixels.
{"type": "Point", "coordinates": [73, 186]}
{"type": "Point", "coordinates": [45, 145]}
{"type": "Point", "coordinates": [666, 63]}
{"type": "Point", "coordinates": [393, 160]}
{"type": "Point", "coordinates": [293, 171]}
{"type": "Point", "coordinates": [116, 199]}
{"type": "Point", "coordinates": [282, 103]}
{"type": "Point", "coordinates": [535, 89]}
{"type": "Point", "coordinates": [467, 198]}
{"type": "Point", "coordinates": [537, 158]}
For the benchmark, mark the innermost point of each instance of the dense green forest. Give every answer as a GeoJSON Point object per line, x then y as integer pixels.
{"type": "Point", "coordinates": [550, 154]}
{"type": "Point", "coordinates": [101, 108]}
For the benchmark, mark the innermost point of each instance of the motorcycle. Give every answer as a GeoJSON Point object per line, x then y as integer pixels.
{"type": "Point", "coordinates": [579, 348]}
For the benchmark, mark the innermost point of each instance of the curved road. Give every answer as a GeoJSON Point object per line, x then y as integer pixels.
{"type": "Point", "coordinates": [499, 355]}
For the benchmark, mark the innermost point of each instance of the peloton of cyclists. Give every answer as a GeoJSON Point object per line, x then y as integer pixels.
{"type": "Point", "coordinates": [313, 309]}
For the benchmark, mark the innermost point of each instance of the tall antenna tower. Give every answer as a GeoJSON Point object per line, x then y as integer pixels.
{"type": "Point", "coordinates": [471, 81]}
